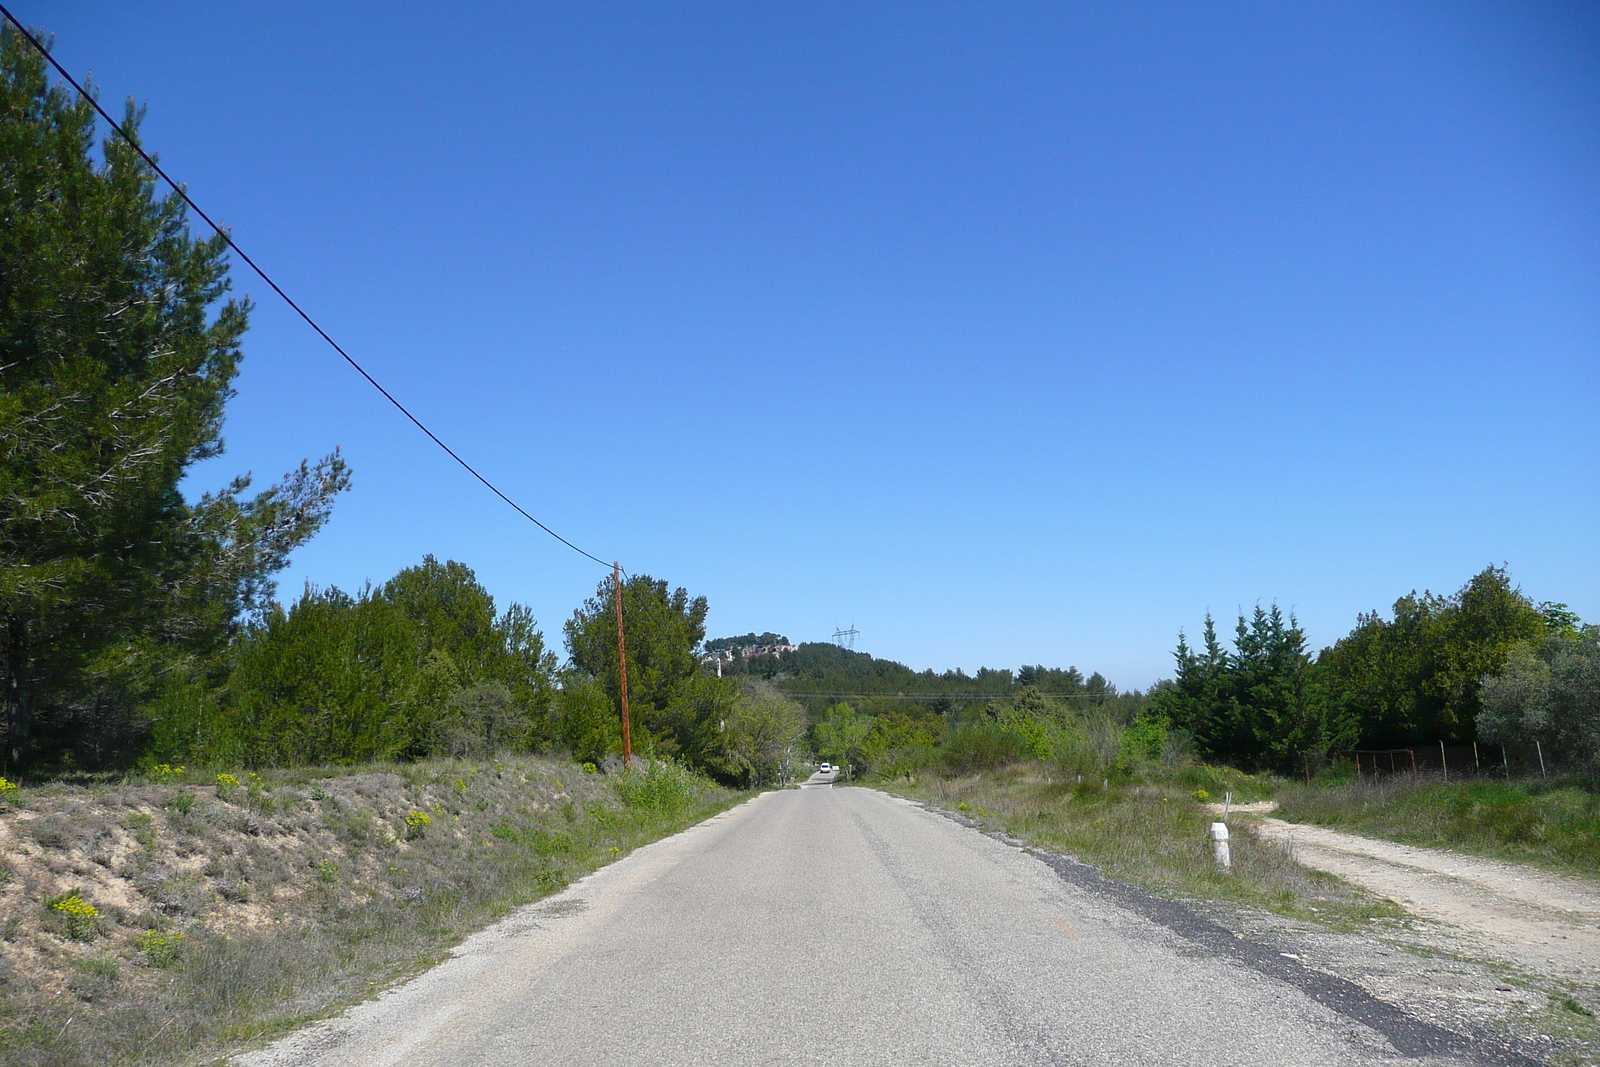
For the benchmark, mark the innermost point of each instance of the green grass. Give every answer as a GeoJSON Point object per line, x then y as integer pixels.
{"type": "Point", "coordinates": [1152, 833]}
{"type": "Point", "coordinates": [357, 896]}
{"type": "Point", "coordinates": [1552, 823]}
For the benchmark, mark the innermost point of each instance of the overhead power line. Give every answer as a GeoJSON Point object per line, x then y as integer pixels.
{"type": "Point", "coordinates": [298, 310]}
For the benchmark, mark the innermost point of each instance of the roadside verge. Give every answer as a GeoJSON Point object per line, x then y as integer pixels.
{"type": "Point", "coordinates": [165, 921]}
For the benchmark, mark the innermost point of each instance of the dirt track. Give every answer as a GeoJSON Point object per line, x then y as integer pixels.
{"type": "Point", "coordinates": [1545, 923]}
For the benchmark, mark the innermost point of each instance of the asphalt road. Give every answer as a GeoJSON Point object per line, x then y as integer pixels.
{"type": "Point", "coordinates": [836, 926]}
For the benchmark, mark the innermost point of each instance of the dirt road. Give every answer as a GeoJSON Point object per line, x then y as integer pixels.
{"type": "Point", "coordinates": [1546, 923]}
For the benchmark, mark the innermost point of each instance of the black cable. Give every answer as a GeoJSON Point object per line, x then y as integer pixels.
{"type": "Point", "coordinates": [275, 288]}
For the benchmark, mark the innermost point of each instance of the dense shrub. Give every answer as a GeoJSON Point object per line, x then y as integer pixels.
{"type": "Point", "coordinates": [660, 786]}
{"type": "Point", "coordinates": [422, 665]}
{"type": "Point", "coordinates": [1549, 693]}
{"type": "Point", "coordinates": [983, 746]}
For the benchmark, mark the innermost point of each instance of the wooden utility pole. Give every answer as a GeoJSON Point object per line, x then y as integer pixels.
{"type": "Point", "coordinates": [622, 666]}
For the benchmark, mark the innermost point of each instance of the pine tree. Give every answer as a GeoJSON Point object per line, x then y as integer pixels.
{"type": "Point", "coordinates": [118, 347]}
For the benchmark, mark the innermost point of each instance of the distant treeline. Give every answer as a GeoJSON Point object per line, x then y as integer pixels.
{"type": "Point", "coordinates": [424, 665]}
{"type": "Point", "coordinates": [750, 640]}
{"type": "Point", "coordinates": [880, 716]}
{"type": "Point", "coordinates": [1484, 664]}
{"type": "Point", "coordinates": [820, 667]}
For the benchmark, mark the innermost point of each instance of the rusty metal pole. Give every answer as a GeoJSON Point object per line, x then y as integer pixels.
{"type": "Point", "coordinates": [622, 666]}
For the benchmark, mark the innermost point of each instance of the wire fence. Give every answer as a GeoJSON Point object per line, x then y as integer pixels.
{"type": "Point", "coordinates": [1475, 761]}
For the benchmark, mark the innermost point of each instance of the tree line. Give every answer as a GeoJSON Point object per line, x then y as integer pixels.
{"type": "Point", "coordinates": [425, 665]}
{"type": "Point", "coordinates": [1484, 664]}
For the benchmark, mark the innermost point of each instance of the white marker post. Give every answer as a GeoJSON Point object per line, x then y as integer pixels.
{"type": "Point", "coordinates": [1219, 845]}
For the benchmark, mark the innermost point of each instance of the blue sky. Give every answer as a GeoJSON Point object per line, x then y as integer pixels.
{"type": "Point", "coordinates": [1008, 333]}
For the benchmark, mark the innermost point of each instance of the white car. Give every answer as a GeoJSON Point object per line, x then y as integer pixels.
{"type": "Point", "coordinates": [826, 768]}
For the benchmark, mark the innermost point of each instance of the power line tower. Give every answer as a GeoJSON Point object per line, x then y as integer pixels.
{"type": "Point", "coordinates": [846, 638]}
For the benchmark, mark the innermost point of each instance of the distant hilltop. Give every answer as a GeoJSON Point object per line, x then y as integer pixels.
{"type": "Point", "coordinates": [726, 649]}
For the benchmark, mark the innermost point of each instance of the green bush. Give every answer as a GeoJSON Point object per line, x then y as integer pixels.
{"type": "Point", "coordinates": [77, 915]}
{"type": "Point", "coordinates": [161, 947]}
{"type": "Point", "coordinates": [984, 746]}
{"type": "Point", "coordinates": [904, 761]}
{"type": "Point", "coordinates": [660, 786]}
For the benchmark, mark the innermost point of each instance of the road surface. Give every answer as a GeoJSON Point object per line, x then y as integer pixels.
{"type": "Point", "coordinates": [842, 926]}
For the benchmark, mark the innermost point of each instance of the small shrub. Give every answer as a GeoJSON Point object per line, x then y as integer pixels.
{"type": "Point", "coordinates": [183, 801]}
{"type": "Point", "coordinates": [983, 747]}
{"type": "Point", "coordinates": [163, 773]}
{"type": "Point", "coordinates": [226, 785]}
{"type": "Point", "coordinates": [416, 823]}
{"type": "Point", "coordinates": [662, 786]}
{"type": "Point", "coordinates": [53, 831]}
{"type": "Point", "coordinates": [99, 966]}
{"type": "Point", "coordinates": [1076, 755]}
{"type": "Point", "coordinates": [328, 871]}
{"type": "Point", "coordinates": [542, 842]}
{"type": "Point", "coordinates": [160, 948]}
{"type": "Point", "coordinates": [143, 826]}
{"type": "Point", "coordinates": [357, 827]}
{"type": "Point", "coordinates": [79, 914]}
{"type": "Point", "coordinates": [233, 892]}
{"type": "Point", "coordinates": [7, 786]}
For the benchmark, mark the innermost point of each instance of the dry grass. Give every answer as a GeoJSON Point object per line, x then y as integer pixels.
{"type": "Point", "coordinates": [1555, 823]}
{"type": "Point", "coordinates": [1153, 834]}
{"type": "Point", "coordinates": [226, 916]}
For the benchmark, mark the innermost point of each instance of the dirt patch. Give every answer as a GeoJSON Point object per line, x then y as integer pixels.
{"type": "Point", "coordinates": [1539, 921]}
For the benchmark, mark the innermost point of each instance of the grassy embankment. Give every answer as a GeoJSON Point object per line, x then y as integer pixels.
{"type": "Point", "coordinates": [1152, 833]}
{"type": "Point", "coordinates": [162, 921]}
{"type": "Point", "coordinates": [1555, 823]}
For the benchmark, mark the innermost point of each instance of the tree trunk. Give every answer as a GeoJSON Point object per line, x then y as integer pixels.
{"type": "Point", "coordinates": [16, 697]}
